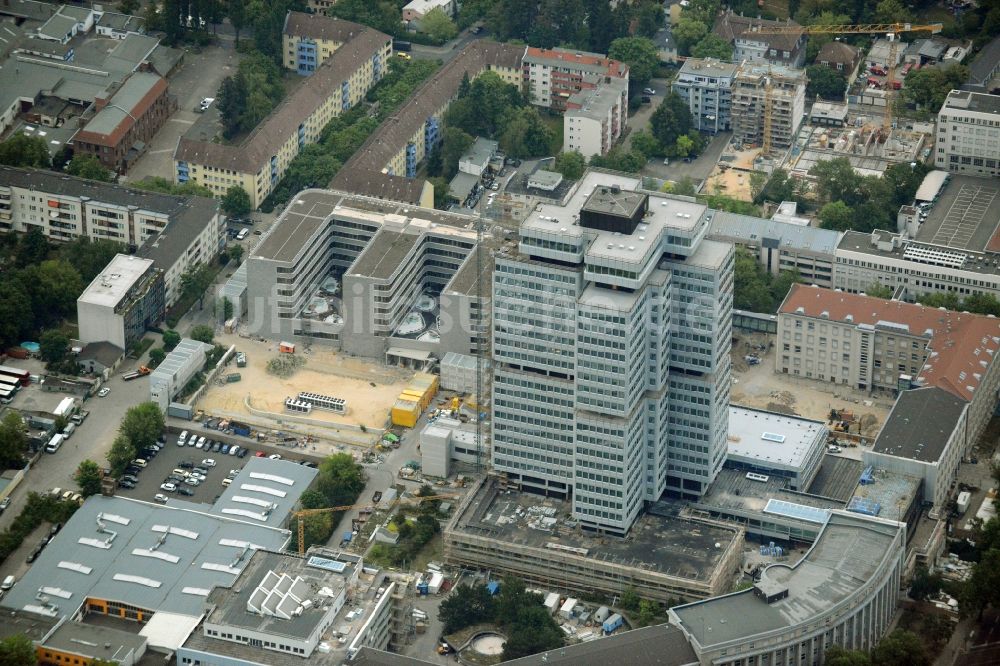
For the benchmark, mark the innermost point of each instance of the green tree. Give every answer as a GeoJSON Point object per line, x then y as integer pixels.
{"type": "Point", "coordinates": [454, 143]}
{"type": "Point", "coordinates": [836, 180]}
{"type": "Point", "coordinates": [684, 146]}
{"type": "Point", "coordinates": [900, 648]}
{"type": "Point", "coordinates": [236, 202]}
{"type": "Point", "coordinates": [128, 6]}
{"type": "Point", "coordinates": [438, 26]}
{"type": "Point", "coordinates": [467, 605]}
{"type": "Point", "coordinates": [121, 453]}
{"type": "Point", "coordinates": [640, 55]}
{"type": "Point", "coordinates": [157, 184]}
{"type": "Point", "coordinates": [195, 281]}
{"type": "Point", "coordinates": [649, 17]}
{"type": "Point", "coordinates": [32, 248]}
{"type": "Point", "coordinates": [825, 82]}
{"type": "Point", "coordinates": [687, 33]}
{"type": "Point", "coordinates": [235, 253]}
{"type": "Point", "coordinates": [88, 478]}
{"type": "Point", "coordinates": [780, 285]}
{"type": "Point", "coordinates": [340, 479]}
{"type": "Point", "coordinates": [16, 316]}
{"type": "Point", "coordinates": [712, 46]}
{"type": "Point", "coordinates": [647, 613]}
{"type": "Point", "coordinates": [156, 356]}
{"type": "Point", "coordinates": [18, 650]}
{"type": "Point", "coordinates": [54, 345]}
{"type": "Point", "coordinates": [142, 425]}
{"type": "Point", "coordinates": [647, 144]}
{"type": "Point", "coordinates": [600, 26]}
{"type": "Point", "coordinates": [317, 529]}
{"type": "Point", "coordinates": [89, 257]}
{"type": "Point", "coordinates": [525, 134]}
{"type": "Point", "coordinates": [25, 151]}
{"type": "Point", "coordinates": [54, 286]}
{"type": "Point", "coordinates": [171, 339]}
{"type": "Point", "coordinates": [13, 440]}
{"type": "Point", "coordinates": [928, 87]}
{"type": "Point", "coordinates": [485, 110]}
{"type": "Point", "coordinates": [837, 216]}
{"type": "Point", "coordinates": [630, 599]}
{"type": "Point", "coordinates": [570, 165]}
{"type": "Point", "coordinates": [236, 11]}
{"type": "Point", "coordinates": [88, 166]}
{"type": "Point", "coordinates": [534, 631]}
{"type": "Point", "coordinates": [924, 584]}
{"type": "Point", "coordinates": [838, 656]}
{"type": "Point", "coordinates": [202, 333]}
{"type": "Point", "coordinates": [752, 289]}
{"type": "Point", "coordinates": [892, 11]}
{"type": "Point", "coordinates": [878, 290]}
{"type": "Point", "coordinates": [671, 119]}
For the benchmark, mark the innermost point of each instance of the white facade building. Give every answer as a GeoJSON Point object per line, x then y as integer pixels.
{"type": "Point", "coordinates": [773, 444]}
{"type": "Point", "coordinates": [121, 302]}
{"type": "Point", "coordinates": [181, 364]}
{"type": "Point", "coordinates": [595, 118]}
{"type": "Point", "coordinates": [706, 87]}
{"type": "Point", "coordinates": [842, 592]}
{"type": "Point", "coordinates": [968, 134]}
{"type": "Point", "coordinates": [611, 351]}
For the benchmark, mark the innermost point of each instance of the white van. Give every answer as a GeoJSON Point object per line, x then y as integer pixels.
{"type": "Point", "coordinates": [55, 443]}
{"type": "Point", "coordinates": [8, 583]}
{"type": "Point", "coordinates": [69, 430]}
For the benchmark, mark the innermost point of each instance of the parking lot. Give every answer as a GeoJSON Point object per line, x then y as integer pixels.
{"type": "Point", "coordinates": [170, 458]}
{"type": "Point", "coordinates": [956, 220]}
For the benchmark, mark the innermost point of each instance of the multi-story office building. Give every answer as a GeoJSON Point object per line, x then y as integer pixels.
{"type": "Point", "coordinates": [879, 345]}
{"type": "Point", "coordinates": [611, 330]}
{"type": "Point", "coordinates": [176, 232]}
{"type": "Point", "coordinates": [595, 119]}
{"type": "Point", "coordinates": [385, 167]}
{"type": "Point", "coordinates": [752, 120]}
{"type": "Point", "coordinates": [121, 303]}
{"type": "Point", "coordinates": [781, 246]}
{"type": "Point", "coordinates": [552, 76]}
{"type": "Point", "coordinates": [968, 134]}
{"type": "Point", "coordinates": [842, 592]}
{"type": "Point", "coordinates": [341, 79]}
{"type": "Point", "coordinates": [706, 87]}
{"type": "Point", "coordinates": [373, 278]}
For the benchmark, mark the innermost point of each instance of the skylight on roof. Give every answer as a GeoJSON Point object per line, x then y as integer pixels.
{"type": "Point", "coordinates": [96, 543]}
{"type": "Point", "coordinates": [272, 477]}
{"type": "Point", "coordinates": [263, 489]}
{"type": "Point", "coordinates": [224, 568]}
{"type": "Point", "coordinates": [74, 566]}
{"type": "Point", "coordinates": [139, 580]}
{"type": "Point", "coordinates": [166, 557]}
{"type": "Point", "coordinates": [55, 592]}
{"type": "Point", "coordinates": [197, 591]}
{"type": "Point", "coordinates": [113, 518]}
{"type": "Point", "coordinates": [802, 512]}
{"type": "Point", "coordinates": [187, 534]}
{"type": "Point", "coordinates": [253, 500]}
{"type": "Point", "coordinates": [256, 515]}
{"type": "Point", "coordinates": [236, 543]}
{"type": "Point", "coordinates": [773, 437]}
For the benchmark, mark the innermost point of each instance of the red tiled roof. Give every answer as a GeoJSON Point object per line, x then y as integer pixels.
{"type": "Point", "coordinates": [962, 345]}
{"type": "Point", "coordinates": [614, 67]}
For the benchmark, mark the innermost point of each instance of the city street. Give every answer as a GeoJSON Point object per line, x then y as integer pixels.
{"type": "Point", "coordinates": [446, 52]}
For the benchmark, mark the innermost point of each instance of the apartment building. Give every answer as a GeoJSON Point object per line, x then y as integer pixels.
{"type": "Point", "coordinates": [706, 87]}
{"type": "Point", "coordinates": [743, 32]}
{"type": "Point", "coordinates": [968, 135]}
{"type": "Point", "coordinates": [122, 302]}
{"type": "Point", "coordinates": [258, 162]}
{"type": "Point", "coordinates": [124, 120]}
{"type": "Point", "coordinates": [553, 76]}
{"type": "Point", "coordinates": [781, 246]}
{"type": "Point", "coordinates": [307, 40]}
{"type": "Point", "coordinates": [752, 120]}
{"type": "Point", "coordinates": [373, 278]}
{"type": "Point", "coordinates": [385, 167]}
{"type": "Point", "coordinates": [611, 338]}
{"type": "Point", "coordinates": [880, 345]}
{"type": "Point", "coordinates": [176, 232]}
{"type": "Point", "coordinates": [417, 9]}
{"type": "Point", "coordinates": [595, 119]}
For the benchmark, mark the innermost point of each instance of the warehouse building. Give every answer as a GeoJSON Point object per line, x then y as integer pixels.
{"type": "Point", "coordinates": [842, 592]}
{"type": "Point", "coordinates": [537, 540]}
{"type": "Point", "coordinates": [171, 376]}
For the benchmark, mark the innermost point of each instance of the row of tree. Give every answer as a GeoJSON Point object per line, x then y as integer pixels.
{"type": "Point", "coordinates": [519, 614]}
{"type": "Point", "coordinates": [755, 288]}
{"type": "Point", "coordinates": [339, 483]}
{"type": "Point", "coordinates": [247, 97]}
{"type": "Point", "coordinates": [863, 203]}
{"type": "Point", "coordinates": [139, 429]}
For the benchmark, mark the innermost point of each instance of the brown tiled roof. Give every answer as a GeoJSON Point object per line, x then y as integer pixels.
{"type": "Point", "coordinates": [319, 26]}
{"type": "Point", "coordinates": [962, 345]}
{"type": "Point", "coordinates": [362, 174]}
{"type": "Point", "coordinates": [837, 52]}
{"type": "Point", "coordinates": [564, 57]}
{"type": "Point", "coordinates": [729, 26]}
{"type": "Point", "coordinates": [265, 141]}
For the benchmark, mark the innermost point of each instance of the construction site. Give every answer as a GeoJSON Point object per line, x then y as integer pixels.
{"type": "Point", "coordinates": [500, 529]}
{"type": "Point", "coordinates": [868, 146]}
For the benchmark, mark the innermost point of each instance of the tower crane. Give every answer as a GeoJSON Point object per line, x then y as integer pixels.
{"type": "Point", "coordinates": [301, 513]}
{"type": "Point", "coordinates": [891, 31]}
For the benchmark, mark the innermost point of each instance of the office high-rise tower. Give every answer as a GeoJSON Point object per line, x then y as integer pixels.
{"type": "Point", "coordinates": [611, 341]}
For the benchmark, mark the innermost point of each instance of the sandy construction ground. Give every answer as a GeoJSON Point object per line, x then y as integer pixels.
{"type": "Point", "coordinates": [760, 387]}
{"type": "Point", "coordinates": [369, 388]}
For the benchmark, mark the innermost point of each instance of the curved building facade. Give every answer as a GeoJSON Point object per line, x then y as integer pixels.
{"type": "Point", "coordinates": [843, 592]}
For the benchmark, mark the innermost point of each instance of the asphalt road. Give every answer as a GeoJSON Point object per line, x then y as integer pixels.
{"type": "Point", "coordinates": [200, 76]}
{"type": "Point", "coordinates": [698, 169]}
{"type": "Point", "coordinates": [447, 51]}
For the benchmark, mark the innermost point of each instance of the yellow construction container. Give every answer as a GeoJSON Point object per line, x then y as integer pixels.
{"type": "Point", "coordinates": [418, 397]}
{"type": "Point", "coordinates": [405, 413]}
{"type": "Point", "coordinates": [425, 382]}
